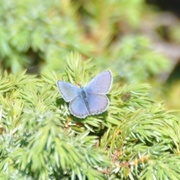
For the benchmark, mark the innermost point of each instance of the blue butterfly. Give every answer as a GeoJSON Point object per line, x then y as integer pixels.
{"type": "Point", "coordinates": [89, 100]}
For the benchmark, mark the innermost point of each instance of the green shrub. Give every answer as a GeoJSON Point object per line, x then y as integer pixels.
{"type": "Point", "coordinates": [135, 139]}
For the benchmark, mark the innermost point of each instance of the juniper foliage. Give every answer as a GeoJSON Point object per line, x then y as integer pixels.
{"type": "Point", "coordinates": [136, 138]}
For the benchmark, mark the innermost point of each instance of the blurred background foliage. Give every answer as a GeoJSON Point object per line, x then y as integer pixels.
{"type": "Point", "coordinates": [135, 39]}
{"type": "Point", "coordinates": [41, 33]}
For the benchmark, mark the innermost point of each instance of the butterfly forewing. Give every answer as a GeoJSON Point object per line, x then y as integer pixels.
{"type": "Point", "coordinates": [100, 84]}
{"type": "Point", "coordinates": [78, 107]}
{"type": "Point", "coordinates": [68, 91]}
{"type": "Point", "coordinates": [97, 103]}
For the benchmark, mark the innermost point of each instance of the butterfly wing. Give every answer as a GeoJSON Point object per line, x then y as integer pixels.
{"type": "Point", "coordinates": [68, 90]}
{"type": "Point", "coordinates": [100, 84]}
{"type": "Point", "coordinates": [78, 108]}
{"type": "Point", "coordinates": [98, 103]}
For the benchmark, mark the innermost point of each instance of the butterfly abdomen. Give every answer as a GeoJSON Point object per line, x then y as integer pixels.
{"type": "Point", "coordinates": [85, 99]}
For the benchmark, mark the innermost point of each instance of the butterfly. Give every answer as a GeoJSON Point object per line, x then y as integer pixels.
{"type": "Point", "coordinates": [89, 100]}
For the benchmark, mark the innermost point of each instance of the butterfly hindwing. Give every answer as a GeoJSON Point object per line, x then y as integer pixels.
{"type": "Point", "coordinates": [68, 91]}
{"type": "Point", "coordinates": [78, 108]}
{"type": "Point", "coordinates": [98, 103]}
{"type": "Point", "coordinates": [100, 84]}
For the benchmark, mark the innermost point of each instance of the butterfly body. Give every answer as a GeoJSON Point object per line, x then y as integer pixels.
{"type": "Point", "coordinates": [89, 100]}
{"type": "Point", "coordinates": [84, 96]}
